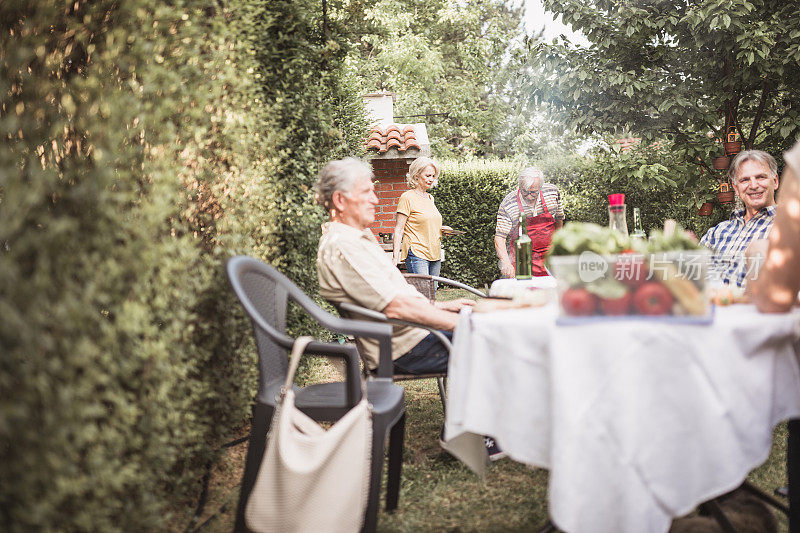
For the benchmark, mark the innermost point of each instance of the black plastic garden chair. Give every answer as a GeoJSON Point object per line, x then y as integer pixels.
{"type": "Point", "coordinates": [264, 293]}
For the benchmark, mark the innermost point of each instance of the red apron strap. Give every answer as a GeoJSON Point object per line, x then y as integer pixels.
{"type": "Point", "coordinates": [544, 205]}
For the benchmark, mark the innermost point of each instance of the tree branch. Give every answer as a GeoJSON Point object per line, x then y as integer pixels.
{"type": "Point", "coordinates": [715, 130]}
{"type": "Point", "coordinates": [757, 119]}
{"type": "Point", "coordinates": [701, 163]}
{"type": "Point", "coordinates": [324, 21]}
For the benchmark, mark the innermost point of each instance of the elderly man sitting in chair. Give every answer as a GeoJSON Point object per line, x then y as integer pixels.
{"type": "Point", "coordinates": [353, 268]}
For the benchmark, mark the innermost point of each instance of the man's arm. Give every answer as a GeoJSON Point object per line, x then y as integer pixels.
{"type": "Point", "coordinates": [506, 268]}
{"type": "Point", "coordinates": [414, 309]}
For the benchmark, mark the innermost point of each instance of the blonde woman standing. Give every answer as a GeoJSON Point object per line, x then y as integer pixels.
{"type": "Point", "coordinates": [417, 232]}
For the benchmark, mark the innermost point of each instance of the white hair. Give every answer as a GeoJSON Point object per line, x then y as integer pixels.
{"type": "Point", "coordinates": [339, 175]}
{"type": "Point", "coordinates": [527, 176]}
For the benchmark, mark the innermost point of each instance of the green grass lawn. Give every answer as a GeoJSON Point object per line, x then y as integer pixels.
{"type": "Point", "coordinates": [438, 493]}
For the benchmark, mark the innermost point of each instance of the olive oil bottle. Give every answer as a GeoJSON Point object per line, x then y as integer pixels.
{"type": "Point", "coordinates": [523, 250]}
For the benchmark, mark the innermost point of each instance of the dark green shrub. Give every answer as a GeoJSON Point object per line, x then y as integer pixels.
{"type": "Point", "coordinates": [101, 272]}
{"type": "Point", "coordinates": [585, 184]}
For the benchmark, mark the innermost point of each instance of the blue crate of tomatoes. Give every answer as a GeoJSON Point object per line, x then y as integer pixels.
{"type": "Point", "coordinates": [603, 273]}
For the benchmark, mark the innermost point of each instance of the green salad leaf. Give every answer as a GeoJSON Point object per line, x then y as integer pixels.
{"type": "Point", "coordinates": [578, 237]}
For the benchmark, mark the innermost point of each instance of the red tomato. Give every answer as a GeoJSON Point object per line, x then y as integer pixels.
{"type": "Point", "coordinates": [578, 302]}
{"type": "Point", "coordinates": [652, 298]}
{"type": "Point", "coordinates": [616, 306]}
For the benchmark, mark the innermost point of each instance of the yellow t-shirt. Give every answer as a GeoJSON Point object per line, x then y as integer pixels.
{"type": "Point", "coordinates": [423, 230]}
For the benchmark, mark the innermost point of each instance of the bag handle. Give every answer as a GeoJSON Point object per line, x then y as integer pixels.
{"type": "Point", "coordinates": [299, 346]}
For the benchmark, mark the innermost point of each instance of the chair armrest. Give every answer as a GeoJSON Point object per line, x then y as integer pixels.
{"type": "Point", "coordinates": [363, 311]}
{"type": "Point", "coordinates": [352, 367]}
{"type": "Point", "coordinates": [460, 285]}
{"type": "Point", "coordinates": [436, 332]}
{"type": "Point", "coordinates": [357, 309]}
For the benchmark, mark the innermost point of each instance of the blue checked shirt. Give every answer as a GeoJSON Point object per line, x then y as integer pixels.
{"type": "Point", "coordinates": [729, 239]}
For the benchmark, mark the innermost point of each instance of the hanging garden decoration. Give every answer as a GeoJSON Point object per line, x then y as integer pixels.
{"type": "Point", "coordinates": [706, 209]}
{"type": "Point", "coordinates": [721, 162]}
{"type": "Point", "coordinates": [732, 144]}
{"type": "Point", "coordinates": [725, 193]}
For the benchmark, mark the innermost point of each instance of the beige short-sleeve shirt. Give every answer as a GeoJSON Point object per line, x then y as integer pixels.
{"type": "Point", "coordinates": [353, 268]}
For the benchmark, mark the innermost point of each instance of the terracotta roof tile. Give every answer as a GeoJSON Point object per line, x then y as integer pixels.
{"type": "Point", "coordinates": [393, 136]}
{"type": "Point", "coordinates": [627, 144]}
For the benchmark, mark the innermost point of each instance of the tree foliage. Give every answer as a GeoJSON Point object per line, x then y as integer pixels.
{"type": "Point", "coordinates": [445, 60]}
{"type": "Point", "coordinates": [675, 70]}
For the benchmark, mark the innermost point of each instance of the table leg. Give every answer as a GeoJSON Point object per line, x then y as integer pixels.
{"type": "Point", "coordinates": [793, 473]}
{"type": "Point", "coordinates": [711, 507]}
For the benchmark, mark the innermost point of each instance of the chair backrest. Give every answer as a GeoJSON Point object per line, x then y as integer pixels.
{"type": "Point", "coordinates": [264, 293]}
{"type": "Point", "coordinates": [424, 284]}
{"type": "Point", "coordinates": [263, 290]}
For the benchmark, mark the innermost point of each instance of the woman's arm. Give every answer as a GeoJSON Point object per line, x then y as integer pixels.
{"type": "Point", "coordinates": [399, 227]}
{"type": "Point", "coordinates": [775, 288]}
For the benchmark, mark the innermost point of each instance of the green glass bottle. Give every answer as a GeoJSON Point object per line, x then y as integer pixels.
{"type": "Point", "coordinates": [638, 232]}
{"type": "Point", "coordinates": [523, 250]}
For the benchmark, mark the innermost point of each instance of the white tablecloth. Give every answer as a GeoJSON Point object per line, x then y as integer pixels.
{"type": "Point", "coordinates": [638, 421]}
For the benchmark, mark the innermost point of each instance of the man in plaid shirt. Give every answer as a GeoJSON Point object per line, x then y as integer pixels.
{"type": "Point", "coordinates": [754, 176]}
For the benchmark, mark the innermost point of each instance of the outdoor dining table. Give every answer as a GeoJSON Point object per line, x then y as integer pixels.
{"type": "Point", "coordinates": [638, 421]}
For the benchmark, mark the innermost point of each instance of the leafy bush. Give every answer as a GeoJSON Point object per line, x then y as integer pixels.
{"type": "Point", "coordinates": [646, 176]}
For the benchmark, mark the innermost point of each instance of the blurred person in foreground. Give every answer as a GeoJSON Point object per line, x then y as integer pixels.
{"type": "Point", "coordinates": [352, 267]}
{"type": "Point", "coordinates": [541, 203]}
{"type": "Point", "coordinates": [754, 177]}
{"type": "Point", "coordinates": [774, 289]}
{"type": "Point", "coordinates": [418, 231]}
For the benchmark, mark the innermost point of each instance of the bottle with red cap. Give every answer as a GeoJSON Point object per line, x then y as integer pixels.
{"type": "Point", "coordinates": [616, 213]}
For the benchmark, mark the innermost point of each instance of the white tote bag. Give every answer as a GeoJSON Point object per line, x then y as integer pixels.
{"type": "Point", "coordinates": [311, 479]}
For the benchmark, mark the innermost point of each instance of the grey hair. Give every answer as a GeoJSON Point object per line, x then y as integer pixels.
{"type": "Point", "coordinates": [339, 175]}
{"type": "Point", "coordinates": [527, 175]}
{"type": "Point", "coordinates": [417, 167]}
{"type": "Point", "coordinates": [759, 156]}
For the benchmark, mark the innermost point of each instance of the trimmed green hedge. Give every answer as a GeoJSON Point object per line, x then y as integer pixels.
{"type": "Point", "coordinates": [143, 143]}
{"type": "Point", "coordinates": [468, 195]}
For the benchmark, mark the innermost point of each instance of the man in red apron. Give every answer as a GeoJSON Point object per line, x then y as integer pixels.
{"type": "Point", "coordinates": [541, 203]}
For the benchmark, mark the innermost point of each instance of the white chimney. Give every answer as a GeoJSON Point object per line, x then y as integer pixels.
{"type": "Point", "coordinates": [380, 108]}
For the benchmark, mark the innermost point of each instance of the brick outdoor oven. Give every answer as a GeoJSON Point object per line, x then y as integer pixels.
{"type": "Point", "coordinates": [391, 148]}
